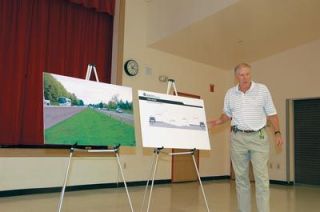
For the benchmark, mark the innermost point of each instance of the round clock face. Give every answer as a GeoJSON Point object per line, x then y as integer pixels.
{"type": "Point", "coordinates": [131, 67]}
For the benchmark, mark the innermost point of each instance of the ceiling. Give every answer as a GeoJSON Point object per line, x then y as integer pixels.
{"type": "Point", "coordinates": [246, 31]}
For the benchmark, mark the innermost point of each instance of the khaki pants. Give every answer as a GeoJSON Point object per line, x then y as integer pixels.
{"type": "Point", "coordinates": [255, 147]}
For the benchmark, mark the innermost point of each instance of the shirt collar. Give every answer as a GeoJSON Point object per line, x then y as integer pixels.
{"type": "Point", "coordinates": [250, 89]}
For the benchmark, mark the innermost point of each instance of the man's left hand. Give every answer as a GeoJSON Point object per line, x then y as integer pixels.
{"type": "Point", "coordinates": [278, 140]}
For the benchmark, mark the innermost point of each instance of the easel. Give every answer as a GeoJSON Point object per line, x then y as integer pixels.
{"type": "Point", "coordinates": [90, 68]}
{"type": "Point", "coordinates": [157, 151]}
{"type": "Point", "coordinates": [73, 149]}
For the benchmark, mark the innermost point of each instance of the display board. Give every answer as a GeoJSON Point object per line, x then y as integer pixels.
{"type": "Point", "coordinates": [172, 121]}
{"type": "Point", "coordinates": [86, 113]}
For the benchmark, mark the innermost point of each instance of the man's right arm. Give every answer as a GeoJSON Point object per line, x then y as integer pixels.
{"type": "Point", "coordinates": [223, 118]}
{"type": "Point", "coordinates": [226, 110]}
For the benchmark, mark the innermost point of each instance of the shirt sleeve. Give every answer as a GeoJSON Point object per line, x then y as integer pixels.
{"type": "Point", "coordinates": [269, 107]}
{"type": "Point", "coordinates": [226, 107]}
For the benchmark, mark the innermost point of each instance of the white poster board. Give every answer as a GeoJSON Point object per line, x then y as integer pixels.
{"type": "Point", "coordinates": [172, 121]}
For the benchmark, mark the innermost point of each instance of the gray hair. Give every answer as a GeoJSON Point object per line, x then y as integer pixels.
{"type": "Point", "coordinates": [241, 65]}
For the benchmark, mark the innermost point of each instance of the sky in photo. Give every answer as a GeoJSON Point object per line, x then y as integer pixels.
{"type": "Point", "coordinates": [92, 92]}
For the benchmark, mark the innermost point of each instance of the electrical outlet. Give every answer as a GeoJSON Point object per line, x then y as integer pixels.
{"type": "Point", "coordinates": [270, 165]}
{"type": "Point", "coordinates": [124, 165]}
{"type": "Point", "coordinates": [278, 166]}
{"type": "Point", "coordinates": [148, 70]}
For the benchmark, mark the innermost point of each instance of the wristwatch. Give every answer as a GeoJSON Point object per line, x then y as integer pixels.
{"type": "Point", "coordinates": [277, 132]}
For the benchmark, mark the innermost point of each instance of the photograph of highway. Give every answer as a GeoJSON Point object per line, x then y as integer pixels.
{"type": "Point", "coordinates": [86, 113]}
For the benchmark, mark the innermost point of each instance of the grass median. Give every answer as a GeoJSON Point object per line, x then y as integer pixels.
{"type": "Point", "coordinates": [91, 128]}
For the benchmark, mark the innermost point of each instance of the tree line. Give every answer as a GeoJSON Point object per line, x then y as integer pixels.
{"type": "Point", "coordinates": [53, 90]}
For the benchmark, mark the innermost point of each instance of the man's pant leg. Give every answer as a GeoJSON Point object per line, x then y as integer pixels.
{"type": "Point", "coordinates": [240, 162]}
{"type": "Point", "coordinates": [259, 159]}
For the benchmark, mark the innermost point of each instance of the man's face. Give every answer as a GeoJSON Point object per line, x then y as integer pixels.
{"type": "Point", "coordinates": [243, 76]}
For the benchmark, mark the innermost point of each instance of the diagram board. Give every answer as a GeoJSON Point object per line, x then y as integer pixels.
{"type": "Point", "coordinates": [172, 121]}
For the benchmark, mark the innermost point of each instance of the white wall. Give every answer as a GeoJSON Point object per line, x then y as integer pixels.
{"type": "Point", "coordinates": [39, 172]}
{"type": "Point", "coordinates": [291, 74]}
{"type": "Point", "coordinates": [191, 77]}
{"type": "Point", "coordinates": [166, 16]}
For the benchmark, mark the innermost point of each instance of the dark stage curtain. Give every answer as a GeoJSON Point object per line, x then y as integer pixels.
{"type": "Point", "coordinates": [106, 6]}
{"type": "Point", "coordinates": [56, 36]}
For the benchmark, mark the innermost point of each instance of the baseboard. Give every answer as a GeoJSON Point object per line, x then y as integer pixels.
{"type": "Point", "coordinates": [225, 177]}
{"type": "Point", "coordinates": [279, 182]}
{"type": "Point", "coordinates": [19, 192]}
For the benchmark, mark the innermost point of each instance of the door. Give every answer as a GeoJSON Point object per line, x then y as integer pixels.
{"type": "Point", "coordinates": [307, 141]}
{"type": "Point", "coordinates": [182, 167]}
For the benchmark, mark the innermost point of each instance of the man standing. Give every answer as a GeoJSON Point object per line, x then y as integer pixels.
{"type": "Point", "coordinates": [248, 105]}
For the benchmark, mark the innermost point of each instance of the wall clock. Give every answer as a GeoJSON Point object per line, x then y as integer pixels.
{"type": "Point", "coordinates": [131, 67]}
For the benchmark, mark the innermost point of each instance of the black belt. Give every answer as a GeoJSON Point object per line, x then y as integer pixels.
{"type": "Point", "coordinates": [235, 129]}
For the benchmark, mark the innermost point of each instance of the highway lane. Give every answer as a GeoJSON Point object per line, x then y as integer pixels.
{"type": "Point", "coordinates": [56, 114]}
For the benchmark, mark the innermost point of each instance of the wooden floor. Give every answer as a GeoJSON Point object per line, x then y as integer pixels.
{"type": "Point", "coordinates": [181, 197]}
